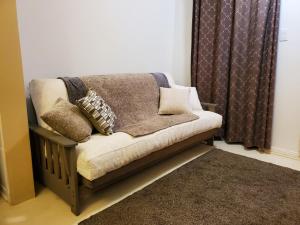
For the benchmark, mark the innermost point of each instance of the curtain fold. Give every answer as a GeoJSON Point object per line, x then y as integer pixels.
{"type": "Point", "coordinates": [234, 55]}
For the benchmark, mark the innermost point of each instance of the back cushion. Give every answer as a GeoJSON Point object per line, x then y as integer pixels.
{"type": "Point", "coordinates": [170, 79]}
{"type": "Point", "coordinates": [44, 93]}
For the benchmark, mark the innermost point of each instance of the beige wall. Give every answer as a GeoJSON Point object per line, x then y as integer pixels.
{"type": "Point", "coordinates": [3, 171]}
{"type": "Point", "coordinates": [13, 114]}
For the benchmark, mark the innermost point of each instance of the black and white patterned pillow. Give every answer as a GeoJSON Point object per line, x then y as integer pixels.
{"type": "Point", "coordinates": [98, 112]}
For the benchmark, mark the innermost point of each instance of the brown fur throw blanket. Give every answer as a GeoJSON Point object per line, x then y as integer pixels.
{"type": "Point", "coordinates": [134, 98]}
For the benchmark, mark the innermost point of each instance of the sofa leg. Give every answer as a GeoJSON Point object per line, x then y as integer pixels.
{"type": "Point", "coordinates": [74, 185]}
{"type": "Point", "coordinates": [210, 141]}
{"type": "Point", "coordinates": [75, 209]}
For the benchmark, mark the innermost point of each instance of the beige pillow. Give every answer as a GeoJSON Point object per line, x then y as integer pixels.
{"type": "Point", "coordinates": [44, 93]}
{"type": "Point", "coordinates": [174, 101]}
{"type": "Point", "coordinates": [194, 99]}
{"type": "Point", "coordinates": [98, 112]}
{"type": "Point", "coordinates": [66, 119]}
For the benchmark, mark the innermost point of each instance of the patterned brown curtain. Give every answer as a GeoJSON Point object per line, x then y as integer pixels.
{"type": "Point", "coordinates": [233, 64]}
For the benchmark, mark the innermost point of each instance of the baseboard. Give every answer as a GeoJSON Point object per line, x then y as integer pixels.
{"type": "Point", "coordinates": [3, 192]}
{"type": "Point", "coordinates": [285, 153]}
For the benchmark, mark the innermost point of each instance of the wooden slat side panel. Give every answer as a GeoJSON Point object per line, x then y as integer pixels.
{"type": "Point", "coordinates": [63, 171]}
{"type": "Point", "coordinates": [56, 163]}
{"type": "Point", "coordinates": [43, 153]}
{"type": "Point", "coordinates": [73, 178]}
{"type": "Point", "coordinates": [65, 161]}
{"type": "Point", "coordinates": [36, 156]}
{"type": "Point", "coordinates": [49, 156]}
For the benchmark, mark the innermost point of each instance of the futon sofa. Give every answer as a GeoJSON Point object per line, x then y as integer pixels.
{"type": "Point", "coordinates": [69, 168]}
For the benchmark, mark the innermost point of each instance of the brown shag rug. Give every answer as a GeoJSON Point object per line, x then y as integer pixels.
{"type": "Point", "coordinates": [217, 188]}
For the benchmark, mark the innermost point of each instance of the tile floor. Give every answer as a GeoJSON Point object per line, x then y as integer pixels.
{"type": "Point", "coordinates": [47, 208]}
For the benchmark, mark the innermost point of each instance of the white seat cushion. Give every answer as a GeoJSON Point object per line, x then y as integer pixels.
{"type": "Point", "coordinates": [103, 154]}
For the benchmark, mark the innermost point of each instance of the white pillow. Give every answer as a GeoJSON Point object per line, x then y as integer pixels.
{"type": "Point", "coordinates": [193, 98]}
{"type": "Point", "coordinates": [174, 101]}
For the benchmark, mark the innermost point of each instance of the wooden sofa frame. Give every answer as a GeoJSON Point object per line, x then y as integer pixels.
{"type": "Point", "coordinates": [55, 163]}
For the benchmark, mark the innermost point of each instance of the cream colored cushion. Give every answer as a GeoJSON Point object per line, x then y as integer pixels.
{"type": "Point", "coordinates": [174, 101]}
{"type": "Point", "coordinates": [44, 93]}
{"type": "Point", "coordinates": [103, 154]}
{"type": "Point", "coordinates": [170, 79]}
{"type": "Point", "coordinates": [193, 98]}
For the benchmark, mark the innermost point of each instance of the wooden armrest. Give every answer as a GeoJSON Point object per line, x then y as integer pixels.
{"type": "Point", "coordinates": [53, 137]}
{"type": "Point", "coordinates": [209, 106]}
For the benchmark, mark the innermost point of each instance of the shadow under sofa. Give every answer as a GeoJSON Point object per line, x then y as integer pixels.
{"type": "Point", "coordinates": [71, 169]}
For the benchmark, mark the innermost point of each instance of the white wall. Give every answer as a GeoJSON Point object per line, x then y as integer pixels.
{"type": "Point", "coordinates": [286, 126]}
{"type": "Point", "coordinates": [67, 37]}
{"type": "Point", "coordinates": [182, 41]}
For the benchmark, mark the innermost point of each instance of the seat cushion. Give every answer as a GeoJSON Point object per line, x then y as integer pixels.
{"type": "Point", "coordinates": [103, 154]}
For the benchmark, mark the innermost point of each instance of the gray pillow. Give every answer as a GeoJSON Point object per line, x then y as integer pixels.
{"type": "Point", "coordinates": [66, 119]}
{"type": "Point", "coordinates": [98, 112]}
